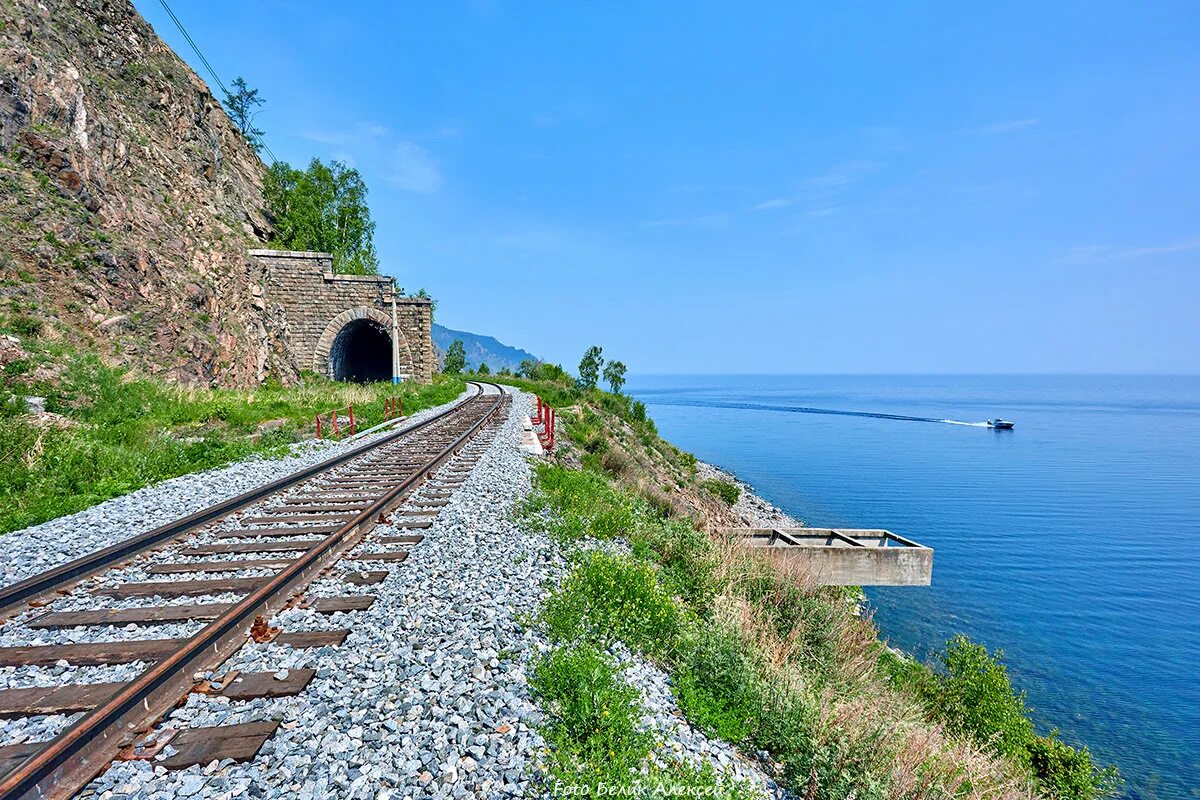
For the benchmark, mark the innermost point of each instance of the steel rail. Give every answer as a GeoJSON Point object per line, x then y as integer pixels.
{"type": "Point", "coordinates": [76, 756]}
{"type": "Point", "coordinates": [36, 587]}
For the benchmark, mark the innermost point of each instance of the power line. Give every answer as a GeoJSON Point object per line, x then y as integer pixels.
{"type": "Point", "coordinates": [207, 65]}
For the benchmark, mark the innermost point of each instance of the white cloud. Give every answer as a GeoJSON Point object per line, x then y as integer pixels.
{"type": "Point", "coordinates": [777, 202]}
{"type": "Point", "coordinates": [818, 189]}
{"type": "Point", "coordinates": [413, 169]}
{"type": "Point", "coordinates": [1092, 253]}
{"type": "Point", "coordinates": [1003, 126]}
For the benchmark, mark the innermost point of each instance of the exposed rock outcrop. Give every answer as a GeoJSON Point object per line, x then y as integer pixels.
{"type": "Point", "coordinates": [127, 197]}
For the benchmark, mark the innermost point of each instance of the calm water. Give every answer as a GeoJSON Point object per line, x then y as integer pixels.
{"type": "Point", "coordinates": [1072, 542]}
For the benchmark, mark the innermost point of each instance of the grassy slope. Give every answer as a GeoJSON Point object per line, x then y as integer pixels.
{"type": "Point", "coordinates": [122, 431]}
{"type": "Point", "coordinates": [758, 656]}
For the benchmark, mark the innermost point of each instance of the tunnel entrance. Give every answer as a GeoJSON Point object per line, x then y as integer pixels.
{"type": "Point", "coordinates": [361, 353]}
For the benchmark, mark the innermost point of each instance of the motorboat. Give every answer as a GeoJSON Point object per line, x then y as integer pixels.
{"type": "Point", "coordinates": [1001, 424]}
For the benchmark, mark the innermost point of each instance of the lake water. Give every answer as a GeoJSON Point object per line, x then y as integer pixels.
{"type": "Point", "coordinates": [1072, 541]}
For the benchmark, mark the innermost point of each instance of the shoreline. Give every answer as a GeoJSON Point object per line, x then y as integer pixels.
{"type": "Point", "coordinates": [755, 511]}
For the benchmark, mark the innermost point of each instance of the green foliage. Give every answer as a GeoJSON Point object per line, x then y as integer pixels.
{"type": "Point", "coordinates": [973, 697]}
{"type": "Point", "coordinates": [242, 105]}
{"type": "Point", "coordinates": [609, 598]}
{"type": "Point", "coordinates": [727, 491]}
{"type": "Point", "coordinates": [456, 358]}
{"type": "Point", "coordinates": [541, 371]}
{"type": "Point", "coordinates": [592, 727]}
{"type": "Point", "coordinates": [976, 699]}
{"type": "Point", "coordinates": [25, 326]}
{"type": "Point", "coordinates": [571, 505]}
{"type": "Point", "coordinates": [685, 556]}
{"type": "Point", "coordinates": [812, 620]}
{"type": "Point", "coordinates": [323, 208]}
{"type": "Point", "coordinates": [131, 432]}
{"type": "Point", "coordinates": [614, 374]}
{"type": "Point", "coordinates": [483, 369]}
{"type": "Point", "coordinates": [589, 367]}
{"type": "Point", "coordinates": [822, 759]}
{"type": "Point", "coordinates": [717, 685]}
{"type": "Point", "coordinates": [1069, 773]}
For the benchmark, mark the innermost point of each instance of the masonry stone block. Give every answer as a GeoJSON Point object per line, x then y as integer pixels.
{"type": "Point", "coordinates": [316, 304]}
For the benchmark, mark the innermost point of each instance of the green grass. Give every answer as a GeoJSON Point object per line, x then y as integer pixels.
{"type": "Point", "coordinates": [571, 505]}
{"type": "Point", "coordinates": [128, 431]}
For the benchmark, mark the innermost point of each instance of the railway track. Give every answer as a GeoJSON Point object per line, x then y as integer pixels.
{"type": "Point", "coordinates": [219, 576]}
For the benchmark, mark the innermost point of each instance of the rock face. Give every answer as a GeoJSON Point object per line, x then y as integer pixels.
{"type": "Point", "coordinates": [127, 197]}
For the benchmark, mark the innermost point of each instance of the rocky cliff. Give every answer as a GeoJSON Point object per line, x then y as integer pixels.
{"type": "Point", "coordinates": [127, 197]}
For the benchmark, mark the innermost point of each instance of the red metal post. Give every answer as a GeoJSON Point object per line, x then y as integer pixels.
{"type": "Point", "coordinates": [351, 419]}
{"type": "Point", "coordinates": [318, 426]}
{"type": "Point", "coordinates": [333, 417]}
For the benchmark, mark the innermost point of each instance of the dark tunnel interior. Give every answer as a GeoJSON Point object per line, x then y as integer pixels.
{"type": "Point", "coordinates": [361, 353]}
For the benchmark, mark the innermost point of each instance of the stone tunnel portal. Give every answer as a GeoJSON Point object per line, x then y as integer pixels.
{"type": "Point", "coordinates": [361, 353]}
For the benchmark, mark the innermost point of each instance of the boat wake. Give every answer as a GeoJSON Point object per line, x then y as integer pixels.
{"type": "Point", "coordinates": [810, 410]}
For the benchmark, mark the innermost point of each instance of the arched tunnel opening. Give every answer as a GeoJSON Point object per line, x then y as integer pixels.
{"type": "Point", "coordinates": [361, 353]}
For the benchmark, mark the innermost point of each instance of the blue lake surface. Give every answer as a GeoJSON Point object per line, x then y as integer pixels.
{"type": "Point", "coordinates": [1071, 542]}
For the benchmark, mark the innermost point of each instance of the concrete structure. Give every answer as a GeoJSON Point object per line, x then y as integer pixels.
{"type": "Point", "coordinates": [843, 557]}
{"type": "Point", "coordinates": [341, 325]}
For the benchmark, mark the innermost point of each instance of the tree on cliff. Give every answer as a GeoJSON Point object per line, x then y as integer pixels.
{"type": "Point", "coordinates": [589, 367]}
{"type": "Point", "coordinates": [323, 208]}
{"type": "Point", "coordinates": [241, 104]}
{"type": "Point", "coordinates": [456, 358]}
{"type": "Point", "coordinates": [614, 373]}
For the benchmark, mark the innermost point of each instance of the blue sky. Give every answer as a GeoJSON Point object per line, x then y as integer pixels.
{"type": "Point", "coordinates": [718, 187]}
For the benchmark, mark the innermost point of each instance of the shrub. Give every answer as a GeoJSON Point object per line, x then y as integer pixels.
{"type": "Point", "coordinates": [975, 698]}
{"type": "Point", "coordinates": [687, 558]}
{"type": "Point", "coordinates": [592, 727]}
{"type": "Point", "coordinates": [1068, 773]}
{"type": "Point", "coordinates": [729, 492]}
{"type": "Point", "coordinates": [717, 684]}
{"type": "Point", "coordinates": [25, 326]}
{"type": "Point", "coordinates": [609, 598]}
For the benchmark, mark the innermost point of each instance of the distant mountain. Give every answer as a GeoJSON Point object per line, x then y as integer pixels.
{"type": "Point", "coordinates": [480, 349]}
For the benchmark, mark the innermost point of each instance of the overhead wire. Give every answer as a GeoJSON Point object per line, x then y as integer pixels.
{"type": "Point", "coordinates": [207, 65]}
